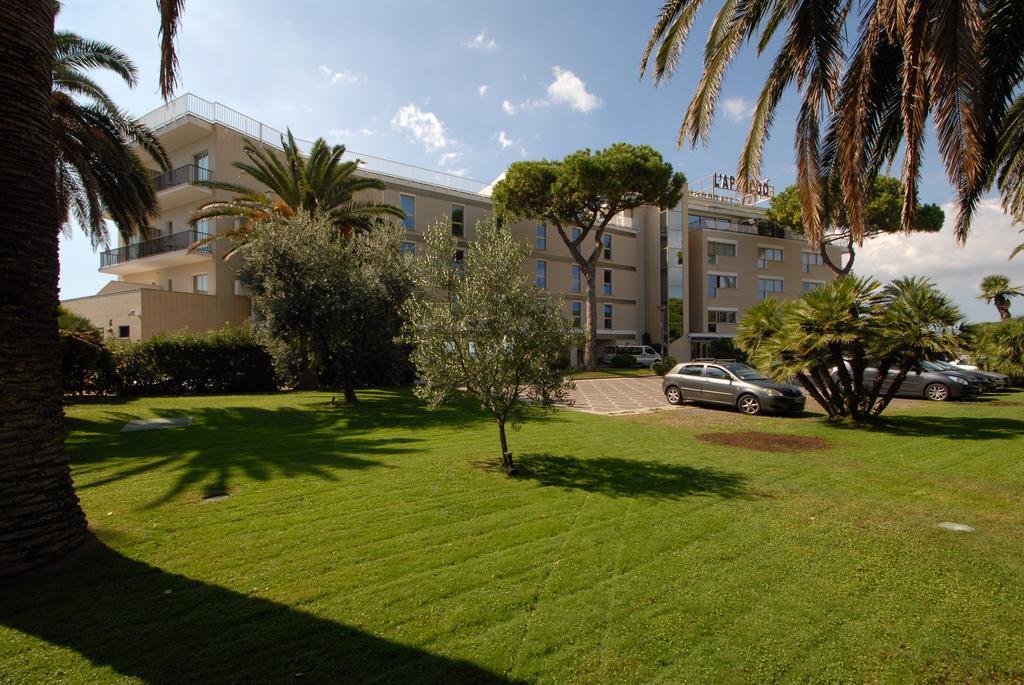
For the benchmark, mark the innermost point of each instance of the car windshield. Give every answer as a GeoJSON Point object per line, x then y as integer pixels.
{"type": "Point", "coordinates": [744, 372]}
{"type": "Point", "coordinates": [931, 366]}
{"type": "Point", "coordinates": [945, 365]}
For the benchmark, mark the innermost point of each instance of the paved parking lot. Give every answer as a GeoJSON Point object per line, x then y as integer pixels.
{"type": "Point", "coordinates": [619, 395]}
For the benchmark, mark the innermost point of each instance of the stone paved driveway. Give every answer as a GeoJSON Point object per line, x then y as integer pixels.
{"type": "Point", "coordinates": [618, 395]}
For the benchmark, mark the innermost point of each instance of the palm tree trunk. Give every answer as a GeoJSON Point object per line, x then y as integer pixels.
{"type": "Point", "coordinates": [40, 518]}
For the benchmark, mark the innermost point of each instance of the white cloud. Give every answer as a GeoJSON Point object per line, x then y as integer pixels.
{"type": "Point", "coordinates": [956, 270]}
{"type": "Point", "coordinates": [449, 157]}
{"type": "Point", "coordinates": [423, 127]}
{"type": "Point", "coordinates": [336, 77]}
{"type": "Point", "coordinates": [504, 140]}
{"type": "Point", "coordinates": [482, 42]}
{"type": "Point", "coordinates": [568, 88]}
{"type": "Point", "coordinates": [738, 109]}
{"type": "Point", "coordinates": [511, 108]}
{"type": "Point", "coordinates": [343, 134]}
{"type": "Point", "coordinates": [483, 89]}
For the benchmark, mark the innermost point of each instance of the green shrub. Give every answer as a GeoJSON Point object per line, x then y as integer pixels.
{"type": "Point", "coordinates": [623, 361]}
{"type": "Point", "coordinates": [664, 366]}
{"type": "Point", "coordinates": [999, 347]}
{"type": "Point", "coordinates": [85, 363]}
{"type": "Point", "coordinates": [224, 361]}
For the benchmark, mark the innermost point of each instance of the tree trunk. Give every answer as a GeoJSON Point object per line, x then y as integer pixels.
{"type": "Point", "coordinates": [833, 267]}
{"type": "Point", "coordinates": [40, 517]}
{"type": "Point", "coordinates": [1003, 307]}
{"type": "Point", "coordinates": [350, 391]}
{"type": "Point", "coordinates": [590, 328]}
{"type": "Point", "coordinates": [506, 457]}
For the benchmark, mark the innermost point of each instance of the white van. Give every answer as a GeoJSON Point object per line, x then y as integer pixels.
{"type": "Point", "coordinates": [644, 354]}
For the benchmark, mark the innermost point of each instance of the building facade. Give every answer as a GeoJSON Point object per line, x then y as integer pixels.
{"type": "Point", "coordinates": [680, 277]}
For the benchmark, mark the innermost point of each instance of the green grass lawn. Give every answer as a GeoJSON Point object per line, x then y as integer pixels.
{"type": "Point", "coordinates": [608, 372]}
{"type": "Point", "coordinates": [378, 543]}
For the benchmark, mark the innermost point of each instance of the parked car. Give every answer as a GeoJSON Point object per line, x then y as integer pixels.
{"type": "Point", "coordinates": [730, 383]}
{"type": "Point", "coordinates": [929, 382]}
{"type": "Point", "coordinates": [644, 354]}
{"type": "Point", "coordinates": [992, 381]}
{"type": "Point", "coordinates": [964, 363]}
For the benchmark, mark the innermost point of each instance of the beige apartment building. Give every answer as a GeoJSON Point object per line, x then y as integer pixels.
{"type": "Point", "coordinates": [680, 277]}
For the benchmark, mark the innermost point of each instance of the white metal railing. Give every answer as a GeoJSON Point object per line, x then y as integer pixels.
{"type": "Point", "coordinates": [214, 112]}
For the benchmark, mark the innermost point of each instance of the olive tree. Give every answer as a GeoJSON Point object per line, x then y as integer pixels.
{"type": "Point", "coordinates": [826, 339]}
{"type": "Point", "coordinates": [323, 296]}
{"type": "Point", "coordinates": [482, 326]}
{"type": "Point", "coordinates": [585, 191]}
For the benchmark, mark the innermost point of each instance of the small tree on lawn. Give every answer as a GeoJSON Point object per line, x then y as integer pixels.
{"type": "Point", "coordinates": [324, 296]}
{"type": "Point", "coordinates": [585, 191]}
{"type": "Point", "coordinates": [480, 324]}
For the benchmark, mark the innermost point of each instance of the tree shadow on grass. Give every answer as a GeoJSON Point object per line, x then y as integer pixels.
{"type": "Point", "coordinates": [950, 427]}
{"type": "Point", "coordinates": [619, 477]}
{"type": "Point", "coordinates": [161, 627]}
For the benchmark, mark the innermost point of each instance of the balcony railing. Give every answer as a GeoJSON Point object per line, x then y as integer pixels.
{"type": "Point", "coordinates": [190, 173]}
{"type": "Point", "coordinates": [174, 242]}
{"type": "Point", "coordinates": [216, 113]}
{"type": "Point", "coordinates": [761, 227]}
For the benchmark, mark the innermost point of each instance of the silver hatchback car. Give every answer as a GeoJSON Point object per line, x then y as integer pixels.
{"type": "Point", "coordinates": [729, 382]}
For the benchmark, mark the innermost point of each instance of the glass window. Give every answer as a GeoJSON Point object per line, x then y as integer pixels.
{"type": "Point", "coordinates": [576, 286]}
{"type": "Point", "coordinates": [577, 314]}
{"type": "Point", "coordinates": [768, 254]}
{"type": "Point", "coordinates": [606, 241]}
{"type": "Point", "coordinates": [576, 233]}
{"type": "Point", "coordinates": [542, 274]}
{"type": "Point", "coordinates": [170, 284]}
{"type": "Point", "coordinates": [715, 372]}
{"type": "Point", "coordinates": [124, 331]}
{"type": "Point", "coordinates": [692, 370]}
{"type": "Point", "coordinates": [809, 259]}
{"type": "Point", "coordinates": [407, 249]}
{"type": "Point", "coordinates": [808, 286]}
{"type": "Point", "coordinates": [766, 286]}
{"type": "Point", "coordinates": [201, 283]}
{"type": "Point", "coordinates": [607, 281]}
{"type": "Point", "coordinates": [608, 316]}
{"type": "Point", "coordinates": [458, 220]}
{"type": "Point", "coordinates": [716, 281]}
{"type": "Point", "coordinates": [717, 249]}
{"type": "Point", "coordinates": [408, 203]}
{"type": "Point", "coordinates": [716, 317]}
{"type": "Point", "coordinates": [541, 243]}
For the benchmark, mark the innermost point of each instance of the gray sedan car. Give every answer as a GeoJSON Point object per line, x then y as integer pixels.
{"type": "Point", "coordinates": [731, 383]}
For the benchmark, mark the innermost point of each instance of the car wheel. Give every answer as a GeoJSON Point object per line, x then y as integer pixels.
{"type": "Point", "coordinates": [748, 404]}
{"type": "Point", "coordinates": [674, 395]}
{"type": "Point", "coordinates": [937, 392]}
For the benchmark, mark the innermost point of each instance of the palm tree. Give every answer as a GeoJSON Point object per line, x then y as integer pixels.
{"type": "Point", "coordinates": [996, 289]}
{"type": "Point", "coordinates": [320, 182]}
{"type": "Point", "coordinates": [97, 172]}
{"type": "Point", "coordinates": [958, 63]}
{"type": "Point", "coordinates": [41, 519]}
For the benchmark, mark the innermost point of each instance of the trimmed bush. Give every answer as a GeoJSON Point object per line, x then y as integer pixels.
{"type": "Point", "coordinates": [664, 366]}
{"type": "Point", "coordinates": [623, 361]}
{"type": "Point", "coordinates": [228, 360]}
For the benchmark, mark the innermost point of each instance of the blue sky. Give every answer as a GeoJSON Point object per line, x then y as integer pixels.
{"type": "Point", "coordinates": [473, 86]}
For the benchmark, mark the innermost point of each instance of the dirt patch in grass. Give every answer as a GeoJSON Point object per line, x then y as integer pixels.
{"type": "Point", "coordinates": [765, 442]}
{"type": "Point", "coordinates": [1004, 403]}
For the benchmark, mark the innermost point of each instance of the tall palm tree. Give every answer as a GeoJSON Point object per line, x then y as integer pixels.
{"type": "Point", "coordinates": [40, 519]}
{"type": "Point", "coordinates": [319, 182]}
{"type": "Point", "coordinates": [996, 289]}
{"type": "Point", "coordinates": [98, 173]}
{"type": "Point", "coordinates": [957, 62]}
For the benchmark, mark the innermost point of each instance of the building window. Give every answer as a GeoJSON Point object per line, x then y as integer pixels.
{"type": "Point", "coordinates": [768, 254]}
{"type": "Point", "coordinates": [576, 233]}
{"type": "Point", "coordinates": [168, 228]}
{"type": "Point", "coordinates": [542, 274]}
{"type": "Point", "coordinates": [608, 317]}
{"type": "Point", "coordinates": [717, 316]}
{"type": "Point", "coordinates": [717, 281]}
{"type": "Point", "coordinates": [809, 259]}
{"type": "Point", "coordinates": [607, 281]}
{"type": "Point", "coordinates": [606, 241]}
{"type": "Point", "coordinates": [766, 286]}
{"type": "Point", "coordinates": [717, 249]}
{"type": "Point", "coordinates": [808, 286]}
{"type": "Point", "coordinates": [577, 314]}
{"type": "Point", "coordinates": [408, 203]}
{"type": "Point", "coordinates": [576, 278]}
{"type": "Point", "coordinates": [458, 220]}
{"type": "Point", "coordinates": [238, 287]}
{"type": "Point", "coordinates": [202, 166]}
{"type": "Point", "coordinates": [201, 284]}
{"type": "Point", "coordinates": [170, 284]}
{"type": "Point", "coordinates": [407, 249]}
{"type": "Point", "coordinates": [457, 261]}
{"type": "Point", "coordinates": [541, 243]}
{"type": "Point", "coordinates": [124, 331]}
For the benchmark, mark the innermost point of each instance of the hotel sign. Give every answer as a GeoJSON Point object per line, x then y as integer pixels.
{"type": "Point", "coordinates": [761, 189]}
